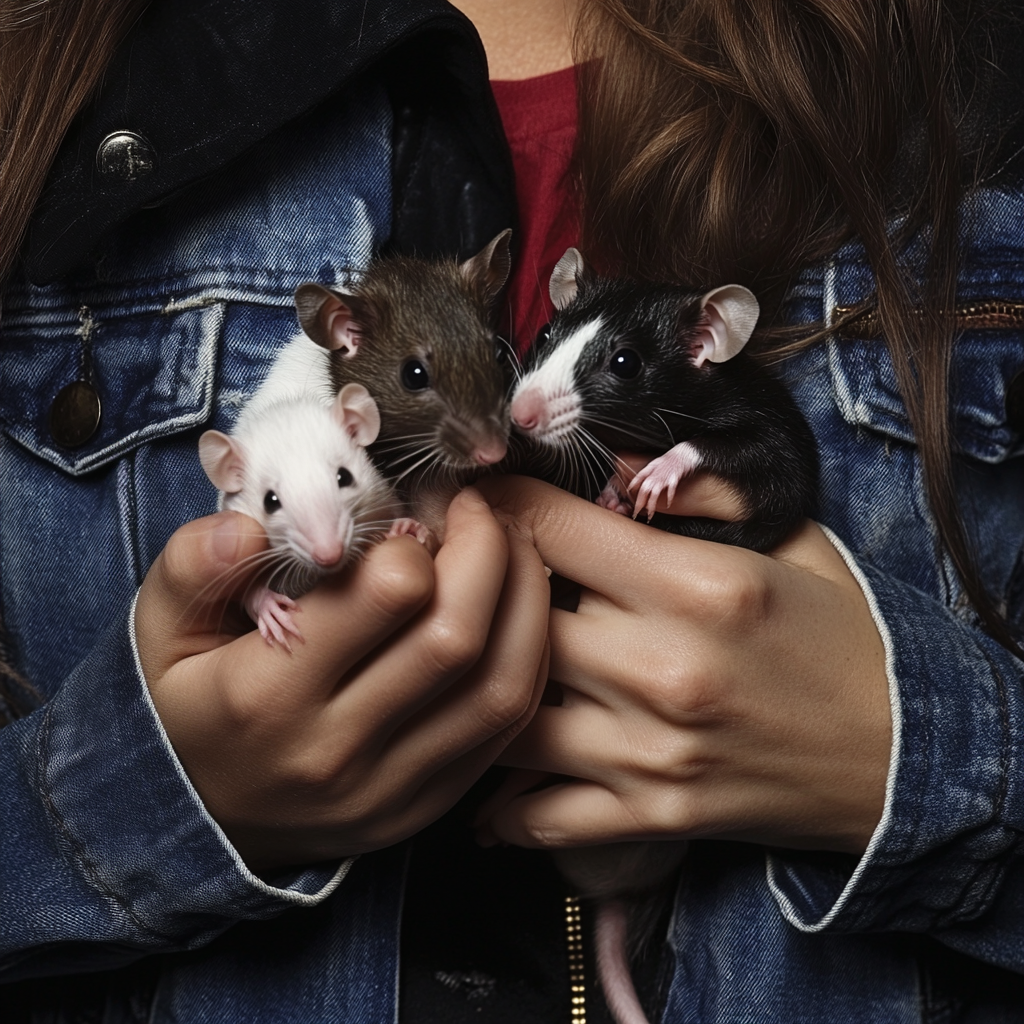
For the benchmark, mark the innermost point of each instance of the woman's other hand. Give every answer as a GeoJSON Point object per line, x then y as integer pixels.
{"type": "Point", "coordinates": [706, 690]}
{"type": "Point", "coordinates": [413, 676]}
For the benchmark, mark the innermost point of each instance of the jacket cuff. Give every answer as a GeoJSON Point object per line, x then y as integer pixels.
{"type": "Point", "coordinates": [954, 805]}
{"type": "Point", "coordinates": [128, 816]}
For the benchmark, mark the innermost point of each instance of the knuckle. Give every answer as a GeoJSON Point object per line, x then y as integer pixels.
{"type": "Point", "coordinates": [668, 812]}
{"type": "Point", "coordinates": [400, 581]}
{"type": "Point", "coordinates": [453, 645]}
{"type": "Point", "coordinates": [679, 692]}
{"type": "Point", "coordinates": [737, 598]}
{"type": "Point", "coordinates": [505, 708]}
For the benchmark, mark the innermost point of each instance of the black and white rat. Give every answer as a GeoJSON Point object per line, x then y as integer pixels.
{"type": "Point", "coordinates": [417, 335]}
{"type": "Point", "coordinates": [657, 370]}
{"type": "Point", "coordinates": [298, 466]}
{"type": "Point", "coordinates": [661, 370]}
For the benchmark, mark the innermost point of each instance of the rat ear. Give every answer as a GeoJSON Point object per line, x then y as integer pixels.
{"type": "Point", "coordinates": [329, 317]}
{"type": "Point", "coordinates": [222, 458]}
{"type": "Point", "coordinates": [490, 266]}
{"type": "Point", "coordinates": [356, 412]}
{"type": "Point", "coordinates": [728, 317]}
{"type": "Point", "coordinates": [566, 277]}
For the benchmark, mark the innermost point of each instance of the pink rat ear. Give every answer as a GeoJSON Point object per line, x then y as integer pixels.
{"type": "Point", "coordinates": [356, 412]}
{"type": "Point", "coordinates": [329, 318]}
{"type": "Point", "coordinates": [728, 317]}
{"type": "Point", "coordinates": [223, 460]}
{"type": "Point", "coordinates": [565, 278]}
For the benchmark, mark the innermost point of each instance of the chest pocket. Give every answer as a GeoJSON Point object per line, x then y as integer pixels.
{"type": "Point", "coordinates": [152, 372]}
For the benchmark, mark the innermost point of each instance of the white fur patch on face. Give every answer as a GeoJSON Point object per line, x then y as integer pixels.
{"type": "Point", "coordinates": [555, 376]}
{"type": "Point", "coordinates": [552, 385]}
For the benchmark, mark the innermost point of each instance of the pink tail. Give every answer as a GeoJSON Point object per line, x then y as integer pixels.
{"type": "Point", "coordinates": [613, 965]}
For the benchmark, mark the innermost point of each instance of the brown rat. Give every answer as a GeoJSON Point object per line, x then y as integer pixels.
{"type": "Point", "coordinates": [417, 335]}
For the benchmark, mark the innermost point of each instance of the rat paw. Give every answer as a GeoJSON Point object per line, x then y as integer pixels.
{"type": "Point", "coordinates": [661, 476]}
{"type": "Point", "coordinates": [272, 614]}
{"type": "Point", "coordinates": [407, 527]}
{"type": "Point", "coordinates": [613, 499]}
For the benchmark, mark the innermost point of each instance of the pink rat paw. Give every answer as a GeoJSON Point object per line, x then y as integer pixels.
{"type": "Point", "coordinates": [613, 499]}
{"type": "Point", "coordinates": [661, 476]}
{"type": "Point", "coordinates": [272, 614]}
{"type": "Point", "coordinates": [407, 527]}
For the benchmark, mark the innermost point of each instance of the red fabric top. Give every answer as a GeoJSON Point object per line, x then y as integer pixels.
{"type": "Point", "coordinates": [539, 115]}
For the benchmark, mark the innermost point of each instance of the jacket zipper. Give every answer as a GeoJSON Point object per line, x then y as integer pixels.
{"type": "Point", "coordinates": [574, 947]}
{"type": "Point", "coordinates": [979, 316]}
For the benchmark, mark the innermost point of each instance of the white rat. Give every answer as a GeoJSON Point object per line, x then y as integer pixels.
{"type": "Point", "coordinates": [298, 466]}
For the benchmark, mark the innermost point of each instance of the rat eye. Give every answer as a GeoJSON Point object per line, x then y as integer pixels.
{"type": "Point", "coordinates": [543, 336]}
{"type": "Point", "coordinates": [344, 478]}
{"type": "Point", "coordinates": [271, 502]}
{"type": "Point", "coordinates": [626, 364]}
{"type": "Point", "coordinates": [414, 376]}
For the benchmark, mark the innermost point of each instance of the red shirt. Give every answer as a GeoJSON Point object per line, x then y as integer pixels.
{"type": "Point", "coordinates": [539, 115]}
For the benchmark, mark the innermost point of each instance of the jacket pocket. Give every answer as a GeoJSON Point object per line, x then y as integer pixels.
{"type": "Point", "coordinates": [152, 371]}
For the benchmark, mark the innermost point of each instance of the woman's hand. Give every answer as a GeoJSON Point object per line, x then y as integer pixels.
{"type": "Point", "coordinates": [707, 690]}
{"type": "Point", "coordinates": [413, 677]}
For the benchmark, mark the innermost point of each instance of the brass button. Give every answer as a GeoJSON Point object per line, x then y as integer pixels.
{"type": "Point", "coordinates": [1015, 403]}
{"type": "Point", "coordinates": [75, 414]}
{"type": "Point", "coordinates": [125, 156]}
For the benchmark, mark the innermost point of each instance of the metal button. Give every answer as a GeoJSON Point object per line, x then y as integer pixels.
{"type": "Point", "coordinates": [125, 156]}
{"type": "Point", "coordinates": [1015, 403]}
{"type": "Point", "coordinates": [75, 414]}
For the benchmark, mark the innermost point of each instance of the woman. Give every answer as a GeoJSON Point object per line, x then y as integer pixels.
{"type": "Point", "coordinates": [776, 728]}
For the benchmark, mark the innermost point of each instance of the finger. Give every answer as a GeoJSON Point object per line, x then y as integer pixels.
{"type": "Point", "coordinates": [182, 601]}
{"type": "Point", "coordinates": [499, 695]}
{"type": "Point", "coordinates": [450, 634]}
{"type": "Point", "coordinates": [580, 740]}
{"type": "Point", "coordinates": [576, 813]}
{"type": "Point", "coordinates": [607, 553]}
{"type": "Point", "coordinates": [348, 617]}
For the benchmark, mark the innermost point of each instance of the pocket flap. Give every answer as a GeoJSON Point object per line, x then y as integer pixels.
{"type": "Point", "coordinates": [153, 372]}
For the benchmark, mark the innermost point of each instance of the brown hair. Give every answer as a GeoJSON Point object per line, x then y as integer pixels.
{"type": "Point", "coordinates": [53, 56]}
{"type": "Point", "coordinates": [740, 140]}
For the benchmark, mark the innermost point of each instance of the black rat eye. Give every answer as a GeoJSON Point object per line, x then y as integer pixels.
{"type": "Point", "coordinates": [344, 478]}
{"type": "Point", "coordinates": [543, 336]}
{"type": "Point", "coordinates": [626, 364]}
{"type": "Point", "coordinates": [271, 502]}
{"type": "Point", "coordinates": [414, 376]}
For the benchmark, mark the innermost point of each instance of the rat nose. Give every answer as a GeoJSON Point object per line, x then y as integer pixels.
{"type": "Point", "coordinates": [490, 452]}
{"type": "Point", "coordinates": [326, 555]}
{"type": "Point", "coordinates": [529, 410]}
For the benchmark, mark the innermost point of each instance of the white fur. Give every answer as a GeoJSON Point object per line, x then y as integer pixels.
{"type": "Point", "coordinates": [301, 369]}
{"type": "Point", "coordinates": [555, 380]}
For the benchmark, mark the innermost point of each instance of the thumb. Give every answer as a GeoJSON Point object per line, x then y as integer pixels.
{"type": "Point", "coordinates": [186, 597]}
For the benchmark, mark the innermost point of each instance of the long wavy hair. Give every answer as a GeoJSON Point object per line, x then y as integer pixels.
{"type": "Point", "coordinates": [52, 55]}
{"type": "Point", "coordinates": [740, 140]}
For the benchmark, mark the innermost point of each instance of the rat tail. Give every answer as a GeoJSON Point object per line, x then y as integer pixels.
{"type": "Point", "coordinates": [610, 926]}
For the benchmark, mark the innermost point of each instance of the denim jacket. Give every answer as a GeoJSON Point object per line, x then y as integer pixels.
{"type": "Point", "coordinates": [108, 857]}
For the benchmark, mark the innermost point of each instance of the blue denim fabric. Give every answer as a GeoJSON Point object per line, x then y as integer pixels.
{"type": "Point", "coordinates": [106, 851]}
{"type": "Point", "coordinates": [107, 854]}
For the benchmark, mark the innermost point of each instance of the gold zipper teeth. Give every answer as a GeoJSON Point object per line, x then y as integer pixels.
{"type": "Point", "coordinates": [577, 976]}
{"type": "Point", "coordinates": [978, 316]}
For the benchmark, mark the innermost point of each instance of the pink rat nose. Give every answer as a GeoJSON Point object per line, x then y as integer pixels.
{"type": "Point", "coordinates": [490, 452]}
{"type": "Point", "coordinates": [327, 555]}
{"type": "Point", "coordinates": [529, 410]}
